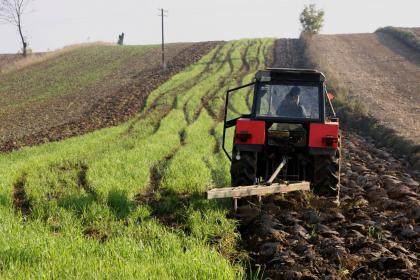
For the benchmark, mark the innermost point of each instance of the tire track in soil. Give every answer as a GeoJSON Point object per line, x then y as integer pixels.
{"type": "Point", "coordinates": [21, 201]}
{"type": "Point", "coordinates": [83, 181]}
{"type": "Point", "coordinates": [217, 116]}
{"type": "Point", "coordinates": [205, 100]}
{"type": "Point", "coordinates": [148, 196]}
{"type": "Point", "coordinates": [250, 93]}
{"type": "Point", "coordinates": [372, 234]}
{"type": "Point", "coordinates": [222, 83]}
{"type": "Point", "coordinates": [210, 95]}
{"type": "Point", "coordinates": [245, 67]}
{"type": "Point", "coordinates": [157, 171]}
{"type": "Point", "coordinates": [245, 64]}
{"type": "Point", "coordinates": [173, 94]}
{"type": "Point", "coordinates": [197, 113]}
{"type": "Point", "coordinates": [244, 72]}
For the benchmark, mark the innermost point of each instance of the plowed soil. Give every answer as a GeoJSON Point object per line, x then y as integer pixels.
{"type": "Point", "coordinates": [31, 120]}
{"type": "Point", "coordinates": [381, 72]}
{"type": "Point", "coordinates": [372, 234]}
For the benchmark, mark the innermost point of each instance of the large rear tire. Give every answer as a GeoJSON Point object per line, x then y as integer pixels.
{"type": "Point", "coordinates": [243, 171]}
{"type": "Point", "coordinates": [326, 181]}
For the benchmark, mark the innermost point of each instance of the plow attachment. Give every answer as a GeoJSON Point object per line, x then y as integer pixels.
{"type": "Point", "coordinates": [257, 190]}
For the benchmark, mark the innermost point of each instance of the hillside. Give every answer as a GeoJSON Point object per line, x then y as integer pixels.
{"type": "Point", "coordinates": [380, 71]}
{"type": "Point", "coordinates": [83, 88]}
{"type": "Point", "coordinates": [126, 202]}
{"type": "Point", "coordinates": [7, 60]}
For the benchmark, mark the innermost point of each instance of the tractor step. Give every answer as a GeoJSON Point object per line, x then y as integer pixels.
{"type": "Point", "coordinates": [258, 190]}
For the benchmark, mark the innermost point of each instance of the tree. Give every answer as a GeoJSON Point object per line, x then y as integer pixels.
{"type": "Point", "coordinates": [311, 19]}
{"type": "Point", "coordinates": [12, 12]}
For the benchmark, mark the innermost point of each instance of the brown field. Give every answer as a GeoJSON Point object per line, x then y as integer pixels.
{"type": "Point", "coordinates": [380, 71]}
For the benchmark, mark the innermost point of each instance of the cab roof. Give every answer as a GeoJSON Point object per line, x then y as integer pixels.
{"type": "Point", "coordinates": [290, 75]}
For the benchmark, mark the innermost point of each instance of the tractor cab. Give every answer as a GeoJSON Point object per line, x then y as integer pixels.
{"type": "Point", "coordinates": [290, 134]}
{"type": "Point", "coordinates": [289, 96]}
{"type": "Point", "coordinates": [288, 101]}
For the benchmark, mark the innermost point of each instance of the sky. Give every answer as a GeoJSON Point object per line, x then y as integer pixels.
{"type": "Point", "coordinates": [52, 24]}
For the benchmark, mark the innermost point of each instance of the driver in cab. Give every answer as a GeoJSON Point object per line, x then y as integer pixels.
{"type": "Point", "coordinates": [290, 107]}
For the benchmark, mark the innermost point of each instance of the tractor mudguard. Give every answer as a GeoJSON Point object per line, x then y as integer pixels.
{"type": "Point", "coordinates": [249, 132]}
{"type": "Point", "coordinates": [249, 135]}
{"type": "Point", "coordinates": [323, 135]}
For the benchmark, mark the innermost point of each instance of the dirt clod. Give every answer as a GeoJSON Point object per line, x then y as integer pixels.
{"type": "Point", "coordinates": [360, 239]}
{"type": "Point", "coordinates": [95, 234]}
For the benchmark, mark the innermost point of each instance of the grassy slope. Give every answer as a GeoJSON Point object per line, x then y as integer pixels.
{"type": "Point", "coordinates": [126, 201]}
{"type": "Point", "coordinates": [61, 87]}
{"type": "Point", "coordinates": [6, 60]}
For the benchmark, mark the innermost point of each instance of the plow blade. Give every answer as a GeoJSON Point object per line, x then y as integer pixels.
{"type": "Point", "coordinates": [257, 190]}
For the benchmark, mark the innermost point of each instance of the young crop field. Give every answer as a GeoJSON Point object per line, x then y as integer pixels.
{"type": "Point", "coordinates": [127, 202]}
{"type": "Point", "coordinates": [83, 88]}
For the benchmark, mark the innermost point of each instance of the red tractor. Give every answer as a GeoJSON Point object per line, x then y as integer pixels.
{"type": "Point", "coordinates": [290, 140]}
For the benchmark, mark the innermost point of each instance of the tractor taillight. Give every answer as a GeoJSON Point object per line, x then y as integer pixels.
{"type": "Point", "coordinates": [243, 135]}
{"type": "Point", "coordinates": [330, 140]}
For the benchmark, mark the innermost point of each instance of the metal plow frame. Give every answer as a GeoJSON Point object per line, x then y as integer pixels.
{"type": "Point", "coordinates": [257, 190]}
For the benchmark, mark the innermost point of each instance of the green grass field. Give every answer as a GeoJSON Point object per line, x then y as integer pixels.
{"type": "Point", "coordinates": [127, 202]}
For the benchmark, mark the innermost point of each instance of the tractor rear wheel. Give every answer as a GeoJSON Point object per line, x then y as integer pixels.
{"type": "Point", "coordinates": [243, 171]}
{"type": "Point", "coordinates": [326, 181]}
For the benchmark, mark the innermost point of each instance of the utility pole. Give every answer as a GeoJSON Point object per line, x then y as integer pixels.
{"type": "Point", "coordinates": [162, 15]}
